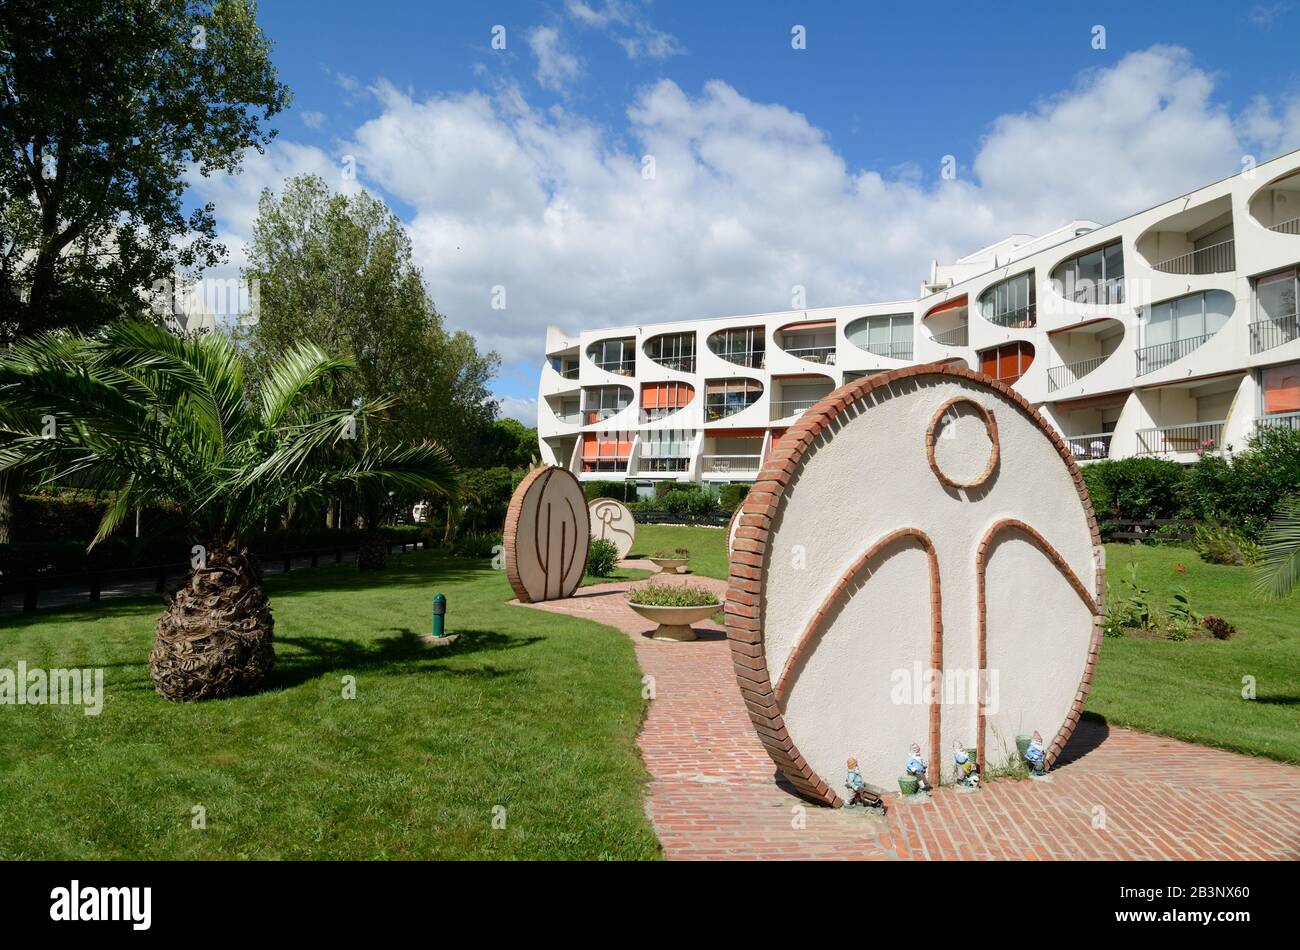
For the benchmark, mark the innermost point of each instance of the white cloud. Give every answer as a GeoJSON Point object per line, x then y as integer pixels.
{"type": "Point", "coordinates": [628, 26]}
{"type": "Point", "coordinates": [312, 119]}
{"type": "Point", "coordinates": [524, 410]}
{"type": "Point", "coordinates": [748, 198]}
{"type": "Point", "coordinates": [556, 67]}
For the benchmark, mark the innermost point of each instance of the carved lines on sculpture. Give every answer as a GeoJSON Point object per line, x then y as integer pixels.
{"type": "Point", "coordinates": [546, 535]}
{"type": "Point", "coordinates": [846, 581]}
{"type": "Point", "coordinates": [613, 521]}
{"type": "Point", "coordinates": [981, 565]}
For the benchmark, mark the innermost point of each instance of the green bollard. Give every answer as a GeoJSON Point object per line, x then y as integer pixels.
{"type": "Point", "coordinates": [439, 615]}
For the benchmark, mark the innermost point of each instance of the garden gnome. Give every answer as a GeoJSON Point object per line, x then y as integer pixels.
{"type": "Point", "coordinates": [916, 766]}
{"type": "Point", "coordinates": [860, 793]}
{"type": "Point", "coordinates": [1035, 757]}
{"type": "Point", "coordinates": [967, 774]}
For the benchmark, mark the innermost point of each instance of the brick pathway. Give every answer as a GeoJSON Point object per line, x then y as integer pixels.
{"type": "Point", "coordinates": [714, 793]}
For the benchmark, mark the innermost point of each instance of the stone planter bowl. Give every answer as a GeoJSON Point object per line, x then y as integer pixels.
{"type": "Point", "coordinates": [675, 622]}
{"type": "Point", "coordinates": [668, 565]}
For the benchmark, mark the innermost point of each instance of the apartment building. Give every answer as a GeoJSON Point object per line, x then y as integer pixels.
{"type": "Point", "coordinates": [1170, 333]}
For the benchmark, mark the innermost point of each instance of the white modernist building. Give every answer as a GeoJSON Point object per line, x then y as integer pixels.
{"type": "Point", "coordinates": [1169, 333]}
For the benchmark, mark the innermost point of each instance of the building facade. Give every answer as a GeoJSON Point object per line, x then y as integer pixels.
{"type": "Point", "coordinates": [1170, 333]}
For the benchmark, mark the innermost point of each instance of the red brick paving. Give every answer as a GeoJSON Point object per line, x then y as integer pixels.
{"type": "Point", "coordinates": [1115, 794]}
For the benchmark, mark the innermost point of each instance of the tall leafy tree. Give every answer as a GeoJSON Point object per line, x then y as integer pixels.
{"type": "Point", "coordinates": [152, 418]}
{"type": "Point", "coordinates": [337, 269]}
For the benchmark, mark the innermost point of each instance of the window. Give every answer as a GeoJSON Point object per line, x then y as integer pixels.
{"type": "Point", "coordinates": [1281, 388]}
{"type": "Point", "coordinates": [1096, 276]}
{"type": "Point", "coordinates": [601, 402]}
{"type": "Point", "coordinates": [674, 350]}
{"type": "Point", "coordinates": [1176, 327]}
{"type": "Point", "coordinates": [889, 335]}
{"type": "Point", "coordinates": [1007, 363]}
{"type": "Point", "coordinates": [606, 451]}
{"type": "Point", "coordinates": [661, 399]}
{"type": "Point", "coordinates": [726, 397]}
{"type": "Point", "coordinates": [1010, 303]}
{"type": "Point", "coordinates": [744, 346]}
{"type": "Point", "coordinates": [666, 450]}
{"type": "Point", "coordinates": [614, 356]}
{"type": "Point", "coordinates": [565, 366]}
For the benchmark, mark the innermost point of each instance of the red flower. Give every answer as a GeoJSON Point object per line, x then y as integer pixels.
{"type": "Point", "coordinates": [1180, 569]}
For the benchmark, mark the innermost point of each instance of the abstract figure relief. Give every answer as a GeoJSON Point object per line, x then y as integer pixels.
{"type": "Point", "coordinates": [546, 536]}
{"type": "Point", "coordinates": [613, 521]}
{"type": "Point", "coordinates": [918, 558]}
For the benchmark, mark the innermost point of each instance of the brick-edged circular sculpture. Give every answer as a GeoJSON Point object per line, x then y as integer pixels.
{"type": "Point", "coordinates": [546, 535]}
{"type": "Point", "coordinates": [871, 606]}
{"type": "Point", "coordinates": [613, 521]}
{"type": "Point", "coordinates": [946, 413]}
{"type": "Point", "coordinates": [732, 526]}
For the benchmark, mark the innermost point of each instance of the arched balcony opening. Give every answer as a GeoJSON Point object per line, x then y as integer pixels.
{"type": "Point", "coordinates": [1174, 328]}
{"type": "Point", "coordinates": [659, 400]}
{"type": "Point", "coordinates": [1276, 206]}
{"type": "Point", "coordinates": [792, 396]}
{"type": "Point", "coordinates": [1007, 363]}
{"type": "Point", "coordinates": [566, 408]}
{"type": "Point", "coordinates": [674, 351]}
{"type": "Point", "coordinates": [617, 356]}
{"type": "Point", "coordinates": [744, 346]}
{"type": "Point", "coordinates": [1082, 350]}
{"type": "Point", "coordinates": [601, 402]}
{"type": "Point", "coordinates": [887, 334]}
{"type": "Point", "coordinates": [948, 322]}
{"type": "Point", "coordinates": [1200, 240]}
{"type": "Point", "coordinates": [1011, 302]}
{"type": "Point", "coordinates": [1094, 277]}
{"type": "Point", "coordinates": [810, 341]}
{"type": "Point", "coordinates": [1275, 321]}
{"type": "Point", "coordinates": [606, 451]}
{"type": "Point", "coordinates": [726, 397]}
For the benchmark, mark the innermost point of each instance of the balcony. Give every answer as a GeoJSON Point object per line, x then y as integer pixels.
{"type": "Point", "coordinates": [1198, 437]}
{"type": "Point", "coordinates": [1058, 377]}
{"type": "Point", "coordinates": [674, 351]}
{"type": "Point", "coordinates": [1279, 420]}
{"type": "Point", "coordinates": [812, 342]}
{"type": "Point", "coordinates": [1089, 448]}
{"type": "Point", "coordinates": [1218, 258]}
{"type": "Point", "coordinates": [894, 351]}
{"type": "Point", "coordinates": [1273, 332]}
{"type": "Point", "coordinates": [1286, 227]}
{"type": "Point", "coordinates": [617, 356]}
{"type": "Point", "coordinates": [621, 367]}
{"type": "Point", "coordinates": [1152, 358]}
{"type": "Point", "coordinates": [787, 408]}
{"type": "Point", "coordinates": [731, 464]}
{"type": "Point", "coordinates": [726, 397]}
{"type": "Point", "coordinates": [824, 355]}
{"type": "Point", "coordinates": [743, 346]}
{"type": "Point", "coordinates": [957, 336]}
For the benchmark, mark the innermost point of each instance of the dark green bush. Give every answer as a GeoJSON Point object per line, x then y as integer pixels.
{"type": "Point", "coordinates": [1217, 544]}
{"type": "Point", "coordinates": [1245, 489]}
{"type": "Point", "coordinates": [1137, 489]}
{"type": "Point", "coordinates": [731, 495]}
{"type": "Point", "coordinates": [601, 557]}
{"type": "Point", "coordinates": [622, 491]}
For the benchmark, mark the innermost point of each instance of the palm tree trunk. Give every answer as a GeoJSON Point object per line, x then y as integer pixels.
{"type": "Point", "coordinates": [8, 499]}
{"type": "Point", "coordinates": [372, 551]}
{"type": "Point", "coordinates": [215, 638]}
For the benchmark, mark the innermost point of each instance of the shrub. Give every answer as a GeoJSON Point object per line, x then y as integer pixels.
{"type": "Point", "coordinates": [672, 595]}
{"type": "Point", "coordinates": [1181, 620]}
{"type": "Point", "coordinates": [477, 544]}
{"type": "Point", "coordinates": [601, 557]}
{"type": "Point", "coordinates": [606, 489]}
{"type": "Point", "coordinates": [1137, 489]}
{"type": "Point", "coordinates": [1245, 489]}
{"type": "Point", "coordinates": [731, 495]}
{"type": "Point", "coordinates": [1218, 627]}
{"type": "Point", "coordinates": [675, 553]}
{"type": "Point", "coordinates": [701, 503]}
{"type": "Point", "coordinates": [1217, 544]}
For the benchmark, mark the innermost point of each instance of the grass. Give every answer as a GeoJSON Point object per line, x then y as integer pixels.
{"type": "Point", "coordinates": [530, 711]}
{"type": "Point", "coordinates": [1193, 690]}
{"type": "Point", "coordinates": [707, 545]}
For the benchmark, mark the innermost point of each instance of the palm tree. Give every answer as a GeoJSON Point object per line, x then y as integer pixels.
{"type": "Point", "coordinates": [1279, 569]}
{"type": "Point", "coordinates": [158, 419]}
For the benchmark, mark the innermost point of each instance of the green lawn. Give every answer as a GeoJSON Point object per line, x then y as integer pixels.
{"type": "Point", "coordinates": [708, 546]}
{"type": "Point", "coordinates": [1193, 690]}
{"type": "Point", "coordinates": [530, 711]}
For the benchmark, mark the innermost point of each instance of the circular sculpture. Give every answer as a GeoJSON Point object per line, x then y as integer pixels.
{"type": "Point", "coordinates": [546, 535]}
{"type": "Point", "coordinates": [613, 521]}
{"type": "Point", "coordinates": [948, 415]}
{"type": "Point", "coordinates": [871, 606]}
{"type": "Point", "coordinates": [733, 526]}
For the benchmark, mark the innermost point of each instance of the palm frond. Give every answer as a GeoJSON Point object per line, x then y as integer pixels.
{"type": "Point", "coordinates": [1279, 568]}
{"type": "Point", "coordinates": [304, 368]}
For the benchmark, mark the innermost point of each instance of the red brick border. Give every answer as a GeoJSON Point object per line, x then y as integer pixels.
{"type": "Point", "coordinates": [510, 533]}
{"type": "Point", "coordinates": [990, 426]}
{"type": "Point", "coordinates": [744, 606]}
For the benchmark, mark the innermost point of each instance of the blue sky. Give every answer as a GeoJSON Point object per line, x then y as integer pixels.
{"type": "Point", "coordinates": [521, 168]}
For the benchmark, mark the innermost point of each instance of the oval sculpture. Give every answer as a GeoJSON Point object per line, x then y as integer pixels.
{"type": "Point", "coordinates": [918, 562]}
{"type": "Point", "coordinates": [733, 525]}
{"type": "Point", "coordinates": [613, 521]}
{"type": "Point", "coordinates": [546, 535]}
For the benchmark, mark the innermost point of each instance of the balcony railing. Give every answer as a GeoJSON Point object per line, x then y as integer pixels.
{"type": "Point", "coordinates": [895, 351]}
{"type": "Point", "coordinates": [1058, 377]}
{"type": "Point", "coordinates": [1215, 259]}
{"type": "Point", "coordinates": [1279, 420]}
{"type": "Point", "coordinates": [569, 418]}
{"type": "Point", "coordinates": [1152, 358]}
{"type": "Point", "coordinates": [755, 359]}
{"type": "Point", "coordinates": [683, 364]}
{"type": "Point", "coordinates": [570, 372]}
{"type": "Point", "coordinates": [619, 367]}
{"type": "Point", "coordinates": [1017, 319]}
{"type": "Point", "coordinates": [794, 407]}
{"type": "Point", "coordinates": [1089, 447]}
{"type": "Point", "coordinates": [957, 336]}
{"type": "Point", "coordinates": [1275, 331]}
{"type": "Point", "coordinates": [1287, 227]}
{"type": "Point", "coordinates": [731, 464]}
{"type": "Point", "coordinates": [1199, 437]}
{"type": "Point", "coordinates": [814, 354]}
{"type": "Point", "coordinates": [1099, 292]}
{"type": "Point", "coordinates": [599, 415]}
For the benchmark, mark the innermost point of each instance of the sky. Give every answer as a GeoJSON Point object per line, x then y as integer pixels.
{"type": "Point", "coordinates": [621, 161]}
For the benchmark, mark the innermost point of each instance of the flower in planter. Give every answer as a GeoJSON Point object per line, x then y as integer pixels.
{"type": "Point", "coordinates": [672, 595]}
